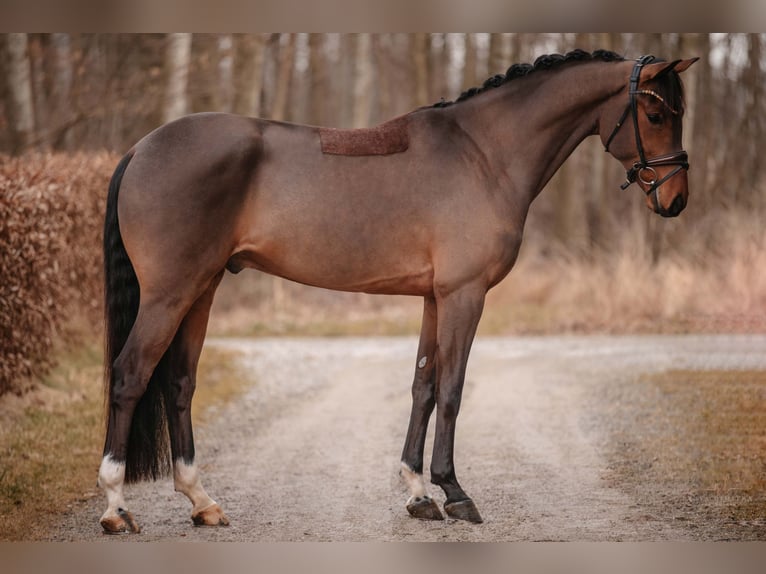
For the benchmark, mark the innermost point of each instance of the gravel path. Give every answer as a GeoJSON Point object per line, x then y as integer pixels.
{"type": "Point", "coordinates": [311, 451]}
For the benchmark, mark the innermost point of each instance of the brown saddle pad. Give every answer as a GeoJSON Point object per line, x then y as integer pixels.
{"type": "Point", "coordinates": [387, 138]}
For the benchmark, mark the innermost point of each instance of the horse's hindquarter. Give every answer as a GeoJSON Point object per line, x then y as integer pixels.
{"type": "Point", "coordinates": [182, 193]}
{"type": "Point", "coordinates": [357, 223]}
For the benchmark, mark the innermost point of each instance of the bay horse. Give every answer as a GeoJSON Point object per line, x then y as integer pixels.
{"type": "Point", "coordinates": [431, 204]}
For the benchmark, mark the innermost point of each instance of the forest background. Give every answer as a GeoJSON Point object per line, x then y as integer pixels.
{"type": "Point", "coordinates": [594, 258]}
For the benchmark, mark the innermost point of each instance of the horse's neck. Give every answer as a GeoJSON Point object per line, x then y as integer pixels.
{"type": "Point", "coordinates": [529, 129]}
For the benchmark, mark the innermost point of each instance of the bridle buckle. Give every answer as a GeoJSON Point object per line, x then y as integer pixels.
{"type": "Point", "coordinates": [642, 179]}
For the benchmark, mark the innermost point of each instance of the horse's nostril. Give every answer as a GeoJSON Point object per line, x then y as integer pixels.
{"type": "Point", "coordinates": [677, 206]}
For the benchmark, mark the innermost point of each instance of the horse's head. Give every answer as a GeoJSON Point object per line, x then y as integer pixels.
{"type": "Point", "coordinates": [649, 146]}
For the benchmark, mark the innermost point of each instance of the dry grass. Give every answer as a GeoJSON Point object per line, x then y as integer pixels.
{"type": "Point", "coordinates": [51, 438]}
{"type": "Point", "coordinates": [698, 286]}
{"type": "Point", "coordinates": [701, 441]}
{"type": "Point", "coordinates": [720, 428]}
{"type": "Point", "coordinates": [49, 446]}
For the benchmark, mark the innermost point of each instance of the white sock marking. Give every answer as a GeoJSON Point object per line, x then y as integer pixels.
{"type": "Point", "coordinates": [187, 481]}
{"type": "Point", "coordinates": [111, 477]}
{"type": "Point", "coordinates": [414, 481]}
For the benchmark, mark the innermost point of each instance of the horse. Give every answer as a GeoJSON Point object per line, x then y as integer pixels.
{"type": "Point", "coordinates": [431, 204]}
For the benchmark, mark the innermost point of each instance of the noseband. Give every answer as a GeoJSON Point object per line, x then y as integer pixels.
{"type": "Point", "coordinates": [643, 170]}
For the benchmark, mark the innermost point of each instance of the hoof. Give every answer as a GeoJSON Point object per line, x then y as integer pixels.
{"type": "Point", "coordinates": [121, 523]}
{"type": "Point", "coordinates": [210, 516]}
{"type": "Point", "coordinates": [463, 510]}
{"type": "Point", "coordinates": [424, 507]}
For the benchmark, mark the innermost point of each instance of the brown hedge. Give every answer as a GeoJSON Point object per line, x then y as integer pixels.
{"type": "Point", "coordinates": [51, 217]}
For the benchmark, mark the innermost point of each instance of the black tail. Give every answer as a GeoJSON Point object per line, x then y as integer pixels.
{"type": "Point", "coordinates": [148, 455]}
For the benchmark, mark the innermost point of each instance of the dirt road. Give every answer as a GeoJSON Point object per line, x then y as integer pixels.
{"type": "Point", "coordinates": [549, 445]}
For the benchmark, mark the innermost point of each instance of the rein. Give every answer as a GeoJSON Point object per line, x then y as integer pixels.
{"type": "Point", "coordinates": [643, 170]}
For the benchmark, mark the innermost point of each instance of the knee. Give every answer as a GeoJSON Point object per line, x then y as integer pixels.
{"type": "Point", "coordinates": [423, 390]}
{"type": "Point", "coordinates": [182, 391]}
{"type": "Point", "coordinates": [127, 387]}
{"type": "Point", "coordinates": [424, 396]}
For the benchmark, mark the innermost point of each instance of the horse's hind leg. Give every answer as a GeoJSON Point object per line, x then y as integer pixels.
{"type": "Point", "coordinates": [420, 504]}
{"type": "Point", "coordinates": [185, 352]}
{"type": "Point", "coordinates": [150, 336]}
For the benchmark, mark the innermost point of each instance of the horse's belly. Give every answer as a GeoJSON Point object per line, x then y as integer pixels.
{"type": "Point", "coordinates": [409, 275]}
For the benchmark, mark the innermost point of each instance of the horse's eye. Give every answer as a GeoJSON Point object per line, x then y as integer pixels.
{"type": "Point", "coordinates": [654, 118]}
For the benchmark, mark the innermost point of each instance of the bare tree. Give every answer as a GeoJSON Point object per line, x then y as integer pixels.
{"type": "Point", "coordinates": [20, 88]}
{"type": "Point", "coordinates": [363, 81]}
{"type": "Point", "coordinates": [318, 112]}
{"type": "Point", "coordinates": [517, 45]}
{"type": "Point", "coordinates": [699, 98]}
{"type": "Point", "coordinates": [438, 65]}
{"type": "Point", "coordinates": [249, 55]}
{"type": "Point", "coordinates": [284, 76]}
{"type": "Point", "coordinates": [420, 48]}
{"type": "Point", "coordinates": [499, 53]}
{"type": "Point", "coordinates": [753, 79]}
{"type": "Point", "coordinates": [381, 52]}
{"type": "Point", "coordinates": [177, 56]}
{"type": "Point", "coordinates": [470, 63]}
{"type": "Point", "coordinates": [62, 90]}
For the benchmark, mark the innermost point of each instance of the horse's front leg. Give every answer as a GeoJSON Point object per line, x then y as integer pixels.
{"type": "Point", "coordinates": [458, 315]}
{"type": "Point", "coordinates": [420, 504]}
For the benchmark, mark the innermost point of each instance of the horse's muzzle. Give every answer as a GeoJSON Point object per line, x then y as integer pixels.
{"type": "Point", "coordinates": [675, 208]}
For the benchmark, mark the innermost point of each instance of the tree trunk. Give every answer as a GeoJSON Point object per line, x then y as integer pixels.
{"type": "Point", "coordinates": [318, 96]}
{"type": "Point", "coordinates": [517, 44]}
{"type": "Point", "coordinates": [420, 45]}
{"type": "Point", "coordinates": [754, 112]}
{"type": "Point", "coordinates": [20, 89]}
{"type": "Point", "coordinates": [383, 66]}
{"type": "Point", "coordinates": [438, 65]}
{"type": "Point", "coordinates": [469, 62]}
{"type": "Point", "coordinates": [177, 57]}
{"type": "Point", "coordinates": [248, 73]}
{"type": "Point", "coordinates": [699, 98]}
{"type": "Point", "coordinates": [62, 91]}
{"type": "Point", "coordinates": [284, 77]}
{"type": "Point", "coordinates": [362, 81]}
{"type": "Point", "coordinates": [499, 53]}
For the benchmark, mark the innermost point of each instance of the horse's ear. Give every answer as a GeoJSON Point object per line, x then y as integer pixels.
{"type": "Point", "coordinates": [683, 65]}
{"type": "Point", "coordinates": [656, 71]}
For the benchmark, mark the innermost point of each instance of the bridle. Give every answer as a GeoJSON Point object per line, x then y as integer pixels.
{"type": "Point", "coordinates": [643, 170]}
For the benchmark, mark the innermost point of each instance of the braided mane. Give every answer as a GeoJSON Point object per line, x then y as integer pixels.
{"type": "Point", "coordinates": [546, 62]}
